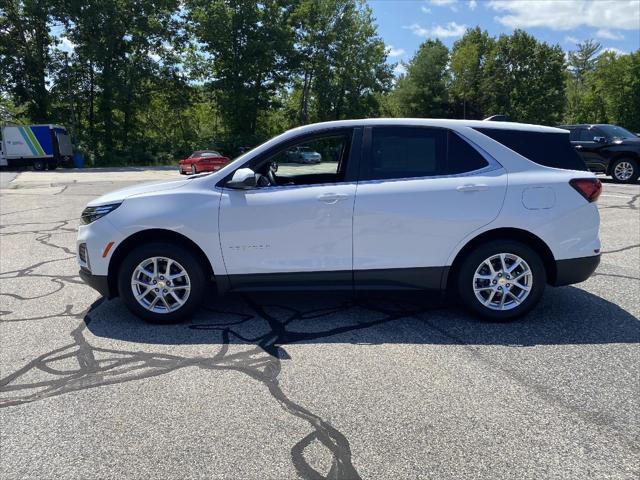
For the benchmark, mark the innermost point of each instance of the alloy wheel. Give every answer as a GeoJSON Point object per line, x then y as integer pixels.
{"type": "Point", "coordinates": [502, 281]}
{"type": "Point", "coordinates": [623, 171]}
{"type": "Point", "coordinates": [160, 284]}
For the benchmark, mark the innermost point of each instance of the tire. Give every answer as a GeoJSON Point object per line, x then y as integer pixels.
{"type": "Point", "coordinates": [476, 262]}
{"type": "Point", "coordinates": [39, 165]}
{"type": "Point", "coordinates": [625, 170]}
{"type": "Point", "coordinates": [182, 260]}
{"type": "Point", "coordinates": [193, 170]}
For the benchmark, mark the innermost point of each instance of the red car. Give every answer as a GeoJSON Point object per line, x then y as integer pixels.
{"type": "Point", "coordinates": [202, 161]}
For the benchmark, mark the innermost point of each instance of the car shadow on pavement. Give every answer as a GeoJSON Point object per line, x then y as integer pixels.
{"type": "Point", "coordinates": [248, 334]}
{"type": "Point", "coordinates": [567, 315]}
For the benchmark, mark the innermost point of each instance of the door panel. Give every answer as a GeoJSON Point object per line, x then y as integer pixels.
{"type": "Point", "coordinates": [287, 229]}
{"type": "Point", "coordinates": [417, 223]}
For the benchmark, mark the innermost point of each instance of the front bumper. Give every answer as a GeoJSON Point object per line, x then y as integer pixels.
{"type": "Point", "coordinates": [575, 270]}
{"type": "Point", "coordinates": [100, 283]}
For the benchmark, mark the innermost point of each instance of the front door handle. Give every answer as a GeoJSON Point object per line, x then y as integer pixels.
{"type": "Point", "coordinates": [472, 187]}
{"type": "Point", "coordinates": [331, 198]}
{"type": "Point", "coordinates": [578, 147]}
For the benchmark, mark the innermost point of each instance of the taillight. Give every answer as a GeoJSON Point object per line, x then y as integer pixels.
{"type": "Point", "coordinates": [589, 188]}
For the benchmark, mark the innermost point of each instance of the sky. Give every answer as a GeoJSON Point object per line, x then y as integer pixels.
{"type": "Point", "coordinates": [405, 24]}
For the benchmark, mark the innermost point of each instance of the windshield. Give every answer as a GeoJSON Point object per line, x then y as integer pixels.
{"type": "Point", "coordinates": [204, 154]}
{"type": "Point", "coordinates": [614, 131]}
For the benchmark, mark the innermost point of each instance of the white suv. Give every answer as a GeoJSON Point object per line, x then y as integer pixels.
{"type": "Point", "coordinates": [490, 210]}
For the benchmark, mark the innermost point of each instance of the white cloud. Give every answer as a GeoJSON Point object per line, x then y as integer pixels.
{"type": "Point", "coordinates": [425, 9]}
{"type": "Point", "coordinates": [451, 29]}
{"type": "Point", "coordinates": [395, 52]}
{"type": "Point", "coordinates": [567, 14]}
{"type": "Point", "coordinates": [445, 3]}
{"type": "Point", "coordinates": [608, 34]}
{"type": "Point", "coordinates": [617, 51]}
{"type": "Point", "coordinates": [472, 4]}
{"type": "Point", "coordinates": [570, 39]}
{"type": "Point", "coordinates": [417, 30]}
{"type": "Point", "coordinates": [399, 69]}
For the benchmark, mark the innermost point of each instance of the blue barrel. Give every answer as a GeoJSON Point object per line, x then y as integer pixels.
{"type": "Point", "coordinates": [78, 160]}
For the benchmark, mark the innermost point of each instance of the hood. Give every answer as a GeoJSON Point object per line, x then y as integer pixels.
{"type": "Point", "coordinates": [628, 141]}
{"type": "Point", "coordinates": [120, 195]}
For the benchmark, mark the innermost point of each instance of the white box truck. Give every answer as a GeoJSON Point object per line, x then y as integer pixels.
{"type": "Point", "coordinates": [43, 146]}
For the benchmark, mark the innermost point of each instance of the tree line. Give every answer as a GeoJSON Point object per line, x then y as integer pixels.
{"type": "Point", "coordinates": [147, 81]}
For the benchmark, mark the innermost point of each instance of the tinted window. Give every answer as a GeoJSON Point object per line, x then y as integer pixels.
{"type": "Point", "coordinates": [586, 135]}
{"type": "Point", "coordinates": [574, 133]}
{"type": "Point", "coordinates": [405, 152]}
{"type": "Point", "coordinates": [614, 131]}
{"type": "Point", "coordinates": [543, 148]}
{"type": "Point", "coordinates": [462, 157]}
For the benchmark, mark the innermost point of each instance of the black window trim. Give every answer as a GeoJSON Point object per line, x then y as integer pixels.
{"type": "Point", "coordinates": [367, 145]}
{"type": "Point", "coordinates": [353, 159]}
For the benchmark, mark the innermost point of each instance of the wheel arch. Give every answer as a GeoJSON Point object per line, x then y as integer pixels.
{"type": "Point", "coordinates": [148, 236]}
{"type": "Point", "coordinates": [517, 234]}
{"type": "Point", "coordinates": [619, 156]}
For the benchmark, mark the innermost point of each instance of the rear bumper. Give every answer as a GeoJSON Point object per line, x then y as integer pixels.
{"type": "Point", "coordinates": [100, 283]}
{"type": "Point", "coordinates": [575, 270]}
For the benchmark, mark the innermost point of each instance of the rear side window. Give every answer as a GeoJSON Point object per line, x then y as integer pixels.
{"type": "Point", "coordinates": [544, 148]}
{"type": "Point", "coordinates": [410, 152]}
{"type": "Point", "coordinates": [405, 152]}
{"type": "Point", "coordinates": [462, 157]}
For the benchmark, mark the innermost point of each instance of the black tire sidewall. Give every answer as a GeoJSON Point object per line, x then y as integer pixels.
{"type": "Point", "coordinates": [174, 252]}
{"type": "Point", "coordinates": [632, 178]}
{"type": "Point", "coordinates": [484, 251]}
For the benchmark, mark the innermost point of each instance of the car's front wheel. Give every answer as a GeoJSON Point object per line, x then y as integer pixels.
{"type": "Point", "coordinates": [625, 170]}
{"type": "Point", "coordinates": [501, 280]}
{"type": "Point", "coordinates": [193, 170]}
{"type": "Point", "coordinates": [161, 282]}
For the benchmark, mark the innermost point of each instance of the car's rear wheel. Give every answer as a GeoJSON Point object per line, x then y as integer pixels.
{"type": "Point", "coordinates": [501, 280]}
{"type": "Point", "coordinates": [625, 170]}
{"type": "Point", "coordinates": [193, 170]}
{"type": "Point", "coordinates": [161, 282]}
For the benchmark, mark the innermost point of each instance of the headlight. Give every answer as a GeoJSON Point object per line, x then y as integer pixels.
{"type": "Point", "coordinates": [91, 214]}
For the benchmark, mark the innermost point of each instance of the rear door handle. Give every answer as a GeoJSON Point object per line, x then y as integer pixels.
{"type": "Point", "coordinates": [331, 198]}
{"type": "Point", "coordinates": [472, 188]}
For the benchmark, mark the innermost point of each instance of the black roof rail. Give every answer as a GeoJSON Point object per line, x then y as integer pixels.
{"type": "Point", "coordinates": [496, 118]}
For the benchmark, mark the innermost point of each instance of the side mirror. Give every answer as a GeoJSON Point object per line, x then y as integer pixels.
{"type": "Point", "coordinates": [243, 179]}
{"type": "Point", "coordinates": [600, 139]}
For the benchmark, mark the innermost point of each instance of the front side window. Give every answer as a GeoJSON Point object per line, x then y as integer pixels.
{"type": "Point", "coordinates": [586, 135]}
{"type": "Point", "coordinates": [313, 161]}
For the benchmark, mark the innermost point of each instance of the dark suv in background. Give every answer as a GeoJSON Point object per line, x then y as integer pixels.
{"type": "Point", "coordinates": [608, 149]}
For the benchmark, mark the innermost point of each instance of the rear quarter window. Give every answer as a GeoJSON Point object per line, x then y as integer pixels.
{"type": "Point", "coordinates": [544, 148]}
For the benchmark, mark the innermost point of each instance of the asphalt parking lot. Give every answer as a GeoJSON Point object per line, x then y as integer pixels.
{"type": "Point", "coordinates": [307, 386]}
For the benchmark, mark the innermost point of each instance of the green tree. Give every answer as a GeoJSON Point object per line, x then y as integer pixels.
{"type": "Point", "coordinates": [525, 79]}
{"type": "Point", "coordinates": [25, 54]}
{"type": "Point", "coordinates": [468, 60]}
{"type": "Point", "coordinates": [246, 53]}
{"type": "Point", "coordinates": [423, 90]}
{"type": "Point", "coordinates": [583, 59]}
